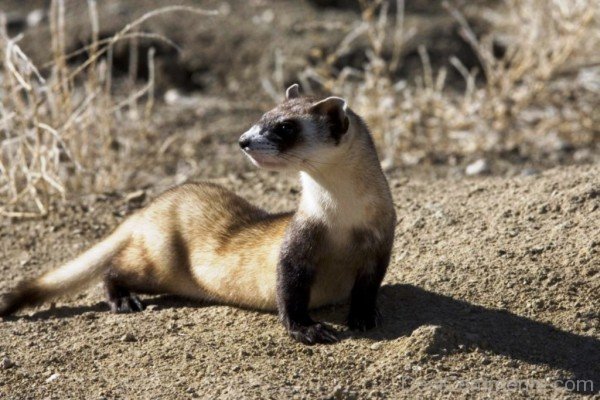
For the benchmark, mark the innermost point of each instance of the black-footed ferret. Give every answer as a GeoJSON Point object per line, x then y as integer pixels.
{"type": "Point", "coordinates": [202, 241]}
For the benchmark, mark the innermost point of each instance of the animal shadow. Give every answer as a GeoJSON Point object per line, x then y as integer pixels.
{"type": "Point", "coordinates": [405, 308]}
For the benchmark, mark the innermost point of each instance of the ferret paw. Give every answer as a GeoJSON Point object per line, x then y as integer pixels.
{"type": "Point", "coordinates": [126, 304]}
{"type": "Point", "coordinates": [313, 334]}
{"type": "Point", "coordinates": [364, 321]}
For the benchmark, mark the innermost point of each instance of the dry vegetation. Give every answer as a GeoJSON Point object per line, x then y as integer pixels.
{"type": "Point", "coordinates": [62, 124]}
{"type": "Point", "coordinates": [549, 48]}
{"type": "Point", "coordinates": [59, 126]}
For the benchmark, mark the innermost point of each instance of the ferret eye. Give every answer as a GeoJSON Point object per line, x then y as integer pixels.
{"type": "Point", "coordinates": [286, 128]}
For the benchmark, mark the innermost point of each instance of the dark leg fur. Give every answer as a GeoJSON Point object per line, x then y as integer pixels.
{"type": "Point", "coordinates": [293, 295]}
{"type": "Point", "coordinates": [363, 302]}
{"type": "Point", "coordinates": [120, 299]}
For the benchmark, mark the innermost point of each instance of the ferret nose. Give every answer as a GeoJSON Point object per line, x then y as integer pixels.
{"type": "Point", "coordinates": [244, 142]}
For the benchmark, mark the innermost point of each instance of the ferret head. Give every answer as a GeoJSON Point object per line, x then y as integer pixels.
{"type": "Point", "coordinates": [299, 133]}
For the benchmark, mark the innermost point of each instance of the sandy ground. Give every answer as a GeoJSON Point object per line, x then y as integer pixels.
{"type": "Point", "coordinates": [493, 281]}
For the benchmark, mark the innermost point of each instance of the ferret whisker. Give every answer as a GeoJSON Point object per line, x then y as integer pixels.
{"type": "Point", "coordinates": [307, 163]}
{"type": "Point", "coordinates": [310, 159]}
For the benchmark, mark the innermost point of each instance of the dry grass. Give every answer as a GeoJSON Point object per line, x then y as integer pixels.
{"type": "Point", "coordinates": [550, 49]}
{"type": "Point", "coordinates": [59, 122]}
{"type": "Point", "coordinates": [58, 127]}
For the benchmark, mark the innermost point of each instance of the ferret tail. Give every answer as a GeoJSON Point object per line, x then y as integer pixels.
{"type": "Point", "coordinates": [75, 274]}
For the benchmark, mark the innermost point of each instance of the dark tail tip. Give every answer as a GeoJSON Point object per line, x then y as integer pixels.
{"type": "Point", "coordinates": [26, 294]}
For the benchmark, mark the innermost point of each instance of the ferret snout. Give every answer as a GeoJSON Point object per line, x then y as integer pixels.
{"type": "Point", "coordinates": [250, 137]}
{"type": "Point", "coordinates": [244, 142]}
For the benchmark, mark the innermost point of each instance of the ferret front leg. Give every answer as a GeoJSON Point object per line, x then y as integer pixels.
{"type": "Point", "coordinates": [363, 299]}
{"type": "Point", "coordinates": [293, 296]}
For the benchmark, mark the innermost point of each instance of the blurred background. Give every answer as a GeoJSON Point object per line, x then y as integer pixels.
{"type": "Point", "coordinates": [118, 95]}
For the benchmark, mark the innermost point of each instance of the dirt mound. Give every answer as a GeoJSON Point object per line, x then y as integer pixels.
{"type": "Point", "coordinates": [492, 280]}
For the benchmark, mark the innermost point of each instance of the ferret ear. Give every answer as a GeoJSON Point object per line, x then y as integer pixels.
{"type": "Point", "coordinates": [292, 92]}
{"type": "Point", "coordinates": [335, 109]}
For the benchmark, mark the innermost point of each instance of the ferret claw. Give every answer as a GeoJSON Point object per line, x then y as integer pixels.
{"type": "Point", "coordinates": [313, 334]}
{"type": "Point", "coordinates": [126, 304]}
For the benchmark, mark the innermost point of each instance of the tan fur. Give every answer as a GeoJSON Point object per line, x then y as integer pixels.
{"type": "Point", "coordinates": [204, 242]}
